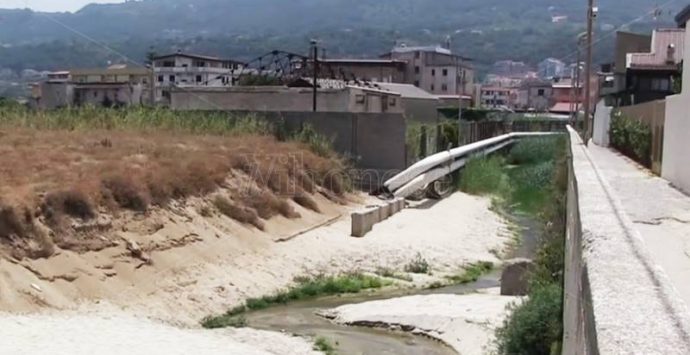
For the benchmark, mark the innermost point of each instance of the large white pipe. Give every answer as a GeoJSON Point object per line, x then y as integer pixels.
{"type": "Point", "coordinates": [423, 180]}
{"type": "Point", "coordinates": [433, 161]}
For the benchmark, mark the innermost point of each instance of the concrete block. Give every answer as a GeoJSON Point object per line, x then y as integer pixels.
{"type": "Point", "coordinates": [363, 222]}
{"type": "Point", "coordinates": [385, 212]}
{"type": "Point", "coordinates": [515, 277]}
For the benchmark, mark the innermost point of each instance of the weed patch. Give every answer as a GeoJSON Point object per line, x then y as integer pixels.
{"type": "Point", "coordinates": [472, 272]}
{"type": "Point", "coordinates": [306, 288]}
{"type": "Point", "coordinates": [418, 266]}
{"type": "Point", "coordinates": [325, 346]}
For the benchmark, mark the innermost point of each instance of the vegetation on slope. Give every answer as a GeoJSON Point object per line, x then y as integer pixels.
{"type": "Point", "coordinates": [65, 168]}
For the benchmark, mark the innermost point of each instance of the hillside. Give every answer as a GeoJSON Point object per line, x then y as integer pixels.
{"type": "Point", "coordinates": [486, 30]}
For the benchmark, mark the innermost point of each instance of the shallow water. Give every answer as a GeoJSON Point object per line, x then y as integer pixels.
{"type": "Point", "coordinates": [301, 318]}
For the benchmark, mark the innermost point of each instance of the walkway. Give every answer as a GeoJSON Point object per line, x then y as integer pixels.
{"type": "Point", "coordinates": [660, 213]}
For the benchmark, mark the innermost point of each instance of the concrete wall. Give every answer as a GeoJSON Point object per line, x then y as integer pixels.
{"type": "Point", "coordinates": [602, 124]}
{"type": "Point", "coordinates": [374, 142]}
{"type": "Point", "coordinates": [676, 152]}
{"type": "Point", "coordinates": [274, 98]}
{"type": "Point", "coordinates": [653, 114]}
{"type": "Point", "coordinates": [616, 300]}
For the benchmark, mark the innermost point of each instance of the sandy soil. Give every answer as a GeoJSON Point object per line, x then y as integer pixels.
{"type": "Point", "coordinates": [119, 333]}
{"type": "Point", "coordinates": [193, 266]}
{"type": "Point", "coordinates": [464, 322]}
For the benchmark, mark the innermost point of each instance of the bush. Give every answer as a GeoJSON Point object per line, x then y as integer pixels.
{"type": "Point", "coordinates": [126, 193]}
{"type": "Point", "coordinates": [631, 137]}
{"type": "Point", "coordinates": [535, 150]}
{"type": "Point", "coordinates": [73, 203]}
{"type": "Point", "coordinates": [485, 176]}
{"type": "Point", "coordinates": [534, 327]}
{"type": "Point", "coordinates": [418, 266]}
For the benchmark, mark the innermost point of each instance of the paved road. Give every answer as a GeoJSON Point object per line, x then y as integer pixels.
{"type": "Point", "coordinates": [659, 212]}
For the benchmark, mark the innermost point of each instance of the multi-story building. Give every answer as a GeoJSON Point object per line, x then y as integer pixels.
{"type": "Point", "coordinates": [551, 68]}
{"type": "Point", "coordinates": [117, 85]}
{"type": "Point", "coordinates": [192, 70]}
{"type": "Point", "coordinates": [497, 97]}
{"type": "Point", "coordinates": [376, 70]}
{"type": "Point", "coordinates": [435, 69]}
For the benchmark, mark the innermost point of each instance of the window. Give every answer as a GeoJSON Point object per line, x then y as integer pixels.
{"type": "Point", "coordinates": [661, 84]}
{"type": "Point", "coordinates": [360, 99]}
{"type": "Point", "coordinates": [160, 78]}
{"type": "Point", "coordinates": [445, 72]}
{"type": "Point", "coordinates": [416, 83]}
{"type": "Point", "coordinates": [433, 87]}
{"type": "Point", "coordinates": [540, 92]}
{"type": "Point", "coordinates": [392, 102]}
{"type": "Point", "coordinates": [433, 72]}
{"type": "Point", "coordinates": [199, 63]}
{"type": "Point", "coordinates": [171, 78]}
{"type": "Point", "coordinates": [416, 70]}
{"type": "Point", "coordinates": [444, 87]}
{"type": "Point", "coordinates": [168, 64]}
{"type": "Point", "coordinates": [198, 78]}
{"type": "Point", "coordinates": [417, 55]}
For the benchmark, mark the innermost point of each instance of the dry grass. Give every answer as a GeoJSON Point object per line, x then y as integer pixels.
{"type": "Point", "coordinates": [56, 176]}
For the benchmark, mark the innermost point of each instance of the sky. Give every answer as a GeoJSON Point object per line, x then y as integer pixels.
{"type": "Point", "coordinates": [50, 5]}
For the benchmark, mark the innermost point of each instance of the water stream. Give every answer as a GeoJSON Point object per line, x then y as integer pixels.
{"type": "Point", "coordinates": [301, 317]}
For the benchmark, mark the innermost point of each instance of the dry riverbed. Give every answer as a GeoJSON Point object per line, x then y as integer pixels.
{"type": "Point", "coordinates": [228, 263]}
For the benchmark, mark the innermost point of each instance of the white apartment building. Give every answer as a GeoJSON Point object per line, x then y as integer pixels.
{"type": "Point", "coordinates": [191, 70]}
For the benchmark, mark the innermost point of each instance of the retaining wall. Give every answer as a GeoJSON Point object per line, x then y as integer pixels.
{"type": "Point", "coordinates": [616, 299]}
{"type": "Point", "coordinates": [364, 221]}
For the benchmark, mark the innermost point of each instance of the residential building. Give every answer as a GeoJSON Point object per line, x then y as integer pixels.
{"type": "Point", "coordinates": [551, 68]}
{"type": "Point", "coordinates": [117, 85]}
{"type": "Point", "coordinates": [651, 75]}
{"type": "Point", "coordinates": [375, 70]}
{"type": "Point", "coordinates": [435, 69]}
{"type": "Point", "coordinates": [498, 97]}
{"type": "Point", "coordinates": [535, 95]}
{"type": "Point", "coordinates": [192, 70]}
{"type": "Point", "coordinates": [645, 67]}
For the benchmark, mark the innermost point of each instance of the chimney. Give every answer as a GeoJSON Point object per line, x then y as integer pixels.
{"type": "Point", "coordinates": [671, 54]}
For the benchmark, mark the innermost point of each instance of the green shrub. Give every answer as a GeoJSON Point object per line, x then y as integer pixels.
{"type": "Point", "coordinates": [418, 266]}
{"type": "Point", "coordinates": [631, 137]}
{"type": "Point", "coordinates": [324, 345]}
{"type": "Point", "coordinates": [535, 150]}
{"type": "Point", "coordinates": [483, 176]}
{"type": "Point", "coordinates": [534, 327]}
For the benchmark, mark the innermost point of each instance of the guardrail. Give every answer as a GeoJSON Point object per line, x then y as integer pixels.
{"type": "Point", "coordinates": [434, 167]}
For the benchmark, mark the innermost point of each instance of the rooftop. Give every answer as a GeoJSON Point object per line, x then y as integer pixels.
{"type": "Point", "coordinates": [111, 71]}
{"type": "Point", "coordinates": [661, 57]}
{"type": "Point", "coordinates": [407, 90]}
{"type": "Point", "coordinates": [196, 56]}
{"type": "Point", "coordinates": [433, 49]}
{"type": "Point", "coordinates": [361, 61]}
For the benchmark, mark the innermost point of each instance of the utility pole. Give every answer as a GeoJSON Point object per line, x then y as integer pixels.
{"type": "Point", "coordinates": [315, 66]}
{"type": "Point", "coordinates": [461, 94]}
{"type": "Point", "coordinates": [591, 14]}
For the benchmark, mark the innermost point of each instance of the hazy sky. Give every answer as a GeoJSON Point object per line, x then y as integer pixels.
{"type": "Point", "coordinates": [50, 5]}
